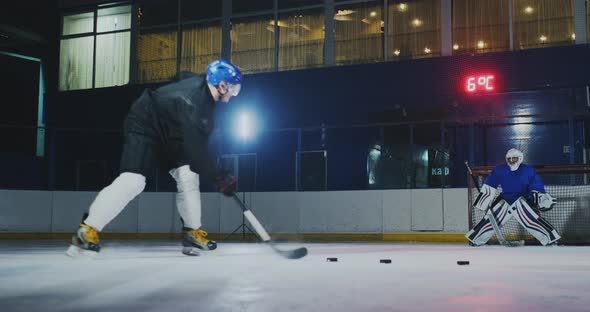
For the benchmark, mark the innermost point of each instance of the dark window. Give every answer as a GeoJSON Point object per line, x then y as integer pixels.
{"type": "Point", "coordinates": [243, 168]}
{"type": "Point", "coordinates": [285, 4]}
{"type": "Point", "coordinates": [157, 12]}
{"type": "Point", "coordinates": [243, 6]}
{"type": "Point", "coordinates": [191, 10]}
{"type": "Point", "coordinates": [247, 173]}
{"type": "Point", "coordinates": [91, 175]}
{"type": "Point", "coordinates": [312, 171]}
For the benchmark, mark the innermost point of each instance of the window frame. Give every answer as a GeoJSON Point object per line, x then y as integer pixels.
{"type": "Point", "coordinates": [94, 34]}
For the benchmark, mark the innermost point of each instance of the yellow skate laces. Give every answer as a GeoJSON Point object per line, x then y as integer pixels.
{"type": "Point", "coordinates": [91, 235]}
{"type": "Point", "coordinates": [200, 235]}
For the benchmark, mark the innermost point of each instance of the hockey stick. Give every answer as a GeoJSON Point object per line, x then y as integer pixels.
{"type": "Point", "coordinates": [289, 254]}
{"type": "Point", "coordinates": [492, 218]}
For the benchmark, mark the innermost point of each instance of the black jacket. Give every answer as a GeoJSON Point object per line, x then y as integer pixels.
{"type": "Point", "coordinates": [178, 118]}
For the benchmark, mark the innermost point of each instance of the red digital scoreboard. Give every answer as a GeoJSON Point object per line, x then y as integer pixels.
{"type": "Point", "coordinates": [478, 84]}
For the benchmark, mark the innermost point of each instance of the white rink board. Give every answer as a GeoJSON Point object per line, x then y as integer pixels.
{"type": "Point", "coordinates": [372, 211]}
{"type": "Point", "coordinates": [25, 211]}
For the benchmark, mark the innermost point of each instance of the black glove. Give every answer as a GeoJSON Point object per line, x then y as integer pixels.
{"type": "Point", "coordinates": [225, 183]}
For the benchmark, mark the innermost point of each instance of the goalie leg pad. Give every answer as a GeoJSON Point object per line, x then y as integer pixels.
{"type": "Point", "coordinates": [534, 224]}
{"type": "Point", "coordinates": [483, 231]}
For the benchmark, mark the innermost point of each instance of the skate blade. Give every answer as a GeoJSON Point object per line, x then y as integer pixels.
{"type": "Point", "coordinates": [190, 251]}
{"type": "Point", "coordinates": [77, 252]}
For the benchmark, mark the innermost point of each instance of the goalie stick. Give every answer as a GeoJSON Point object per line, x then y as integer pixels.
{"type": "Point", "coordinates": [289, 254]}
{"type": "Point", "coordinates": [492, 218]}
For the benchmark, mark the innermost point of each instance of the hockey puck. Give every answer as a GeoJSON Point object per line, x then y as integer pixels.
{"type": "Point", "coordinates": [385, 261]}
{"type": "Point", "coordinates": [332, 259]}
{"type": "Point", "coordinates": [463, 262]}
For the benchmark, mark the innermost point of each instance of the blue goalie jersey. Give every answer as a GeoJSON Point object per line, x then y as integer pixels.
{"type": "Point", "coordinates": [515, 183]}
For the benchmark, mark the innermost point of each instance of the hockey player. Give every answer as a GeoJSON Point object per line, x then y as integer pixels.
{"type": "Point", "coordinates": [168, 126]}
{"type": "Point", "coordinates": [522, 189]}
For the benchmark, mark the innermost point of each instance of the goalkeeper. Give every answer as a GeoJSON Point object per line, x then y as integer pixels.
{"type": "Point", "coordinates": [522, 190]}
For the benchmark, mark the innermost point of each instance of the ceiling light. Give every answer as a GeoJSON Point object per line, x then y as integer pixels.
{"type": "Point", "coordinates": [344, 12]}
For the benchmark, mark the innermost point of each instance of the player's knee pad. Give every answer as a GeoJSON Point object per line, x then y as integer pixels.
{"type": "Point", "coordinates": [131, 183]}
{"type": "Point", "coordinates": [186, 179]}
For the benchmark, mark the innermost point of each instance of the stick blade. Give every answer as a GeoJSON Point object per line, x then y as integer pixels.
{"type": "Point", "coordinates": [292, 254]}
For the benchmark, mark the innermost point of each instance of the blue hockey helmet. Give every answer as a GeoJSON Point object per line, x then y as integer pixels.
{"type": "Point", "coordinates": [222, 70]}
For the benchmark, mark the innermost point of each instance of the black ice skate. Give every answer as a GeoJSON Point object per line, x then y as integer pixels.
{"type": "Point", "coordinates": [192, 239]}
{"type": "Point", "coordinates": [85, 242]}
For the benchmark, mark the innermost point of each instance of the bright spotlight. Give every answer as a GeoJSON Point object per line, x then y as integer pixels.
{"type": "Point", "coordinates": [245, 126]}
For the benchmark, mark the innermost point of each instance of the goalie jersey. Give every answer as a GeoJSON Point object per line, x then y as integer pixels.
{"type": "Point", "coordinates": [521, 182]}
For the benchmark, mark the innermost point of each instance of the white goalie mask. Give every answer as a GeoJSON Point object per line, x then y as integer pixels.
{"type": "Point", "coordinates": [514, 158]}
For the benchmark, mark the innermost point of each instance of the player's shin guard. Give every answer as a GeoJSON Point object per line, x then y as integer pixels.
{"type": "Point", "coordinates": [534, 224]}
{"type": "Point", "coordinates": [483, 231]}
{"type": "Point", "coordinates": [188, 196]}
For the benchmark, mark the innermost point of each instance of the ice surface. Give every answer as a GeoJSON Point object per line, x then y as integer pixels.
{"type": "Point", "coordinates": [155, 276]}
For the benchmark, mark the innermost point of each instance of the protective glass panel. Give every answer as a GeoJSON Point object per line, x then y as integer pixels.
{"type": "Point", "coordinates": [246, 173]}
{"type": "Point", "coordinates": [396, 158]}
{"type": "Point", "coordinates": [430, 158]}
{"type": "Point", "coordinates": [312, 171]}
